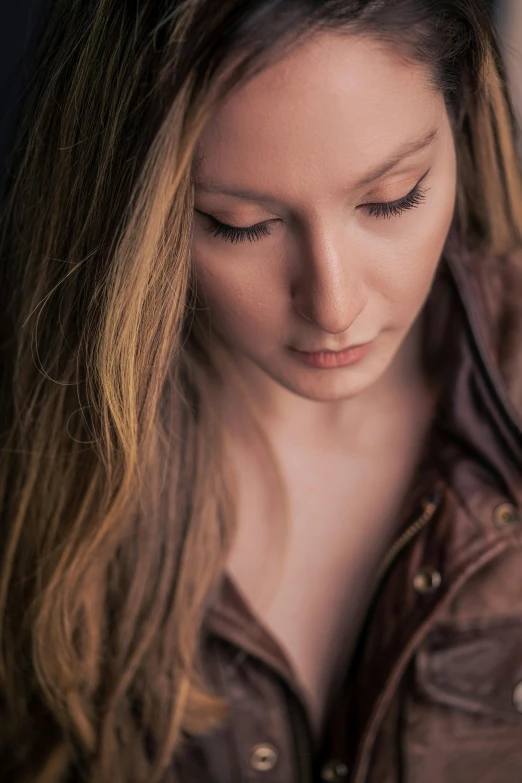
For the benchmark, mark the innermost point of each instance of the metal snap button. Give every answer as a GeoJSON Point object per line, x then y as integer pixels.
{"type": "Point", "coordinates": [427, 580]}
{"type": "Point", "coordinates": [517, 697]}
{"type": "Point", "coordinates": [334, 770]}
{"type": "Point", "coordinates": [505, 515]}
{"type": "Point", "coordinates": [264, 757]}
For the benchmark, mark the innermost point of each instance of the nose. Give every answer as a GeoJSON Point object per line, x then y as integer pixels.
{"type": "Point", "coordinates": [327, 289]}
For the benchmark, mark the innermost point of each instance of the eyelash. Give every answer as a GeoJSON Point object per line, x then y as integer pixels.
{"type": "Point", "coordinates": [386, 209]}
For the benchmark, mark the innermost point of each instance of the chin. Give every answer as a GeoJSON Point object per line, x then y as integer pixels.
{"type": "Point", "coordinates": [334, 386]}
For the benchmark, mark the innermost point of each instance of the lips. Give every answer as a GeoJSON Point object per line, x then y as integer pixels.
{"type": "Point", "coordinates": [326, 360]}
{"type": "Point", "coordinates": [329, 350]}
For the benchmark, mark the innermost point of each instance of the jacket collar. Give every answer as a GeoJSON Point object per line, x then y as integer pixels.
{"type": "Point", "coordinates": [476, 408]}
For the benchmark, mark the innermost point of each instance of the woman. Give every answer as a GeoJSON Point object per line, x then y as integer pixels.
{"type": "Point", "coordinates": [262, 446]}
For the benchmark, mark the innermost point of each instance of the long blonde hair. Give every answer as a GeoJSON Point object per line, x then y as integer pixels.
{"type": "Point", "coordinates": [117, 503]}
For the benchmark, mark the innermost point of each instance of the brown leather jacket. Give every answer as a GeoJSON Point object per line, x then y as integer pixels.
{"type": "Point", "coordinates": [433, 693]}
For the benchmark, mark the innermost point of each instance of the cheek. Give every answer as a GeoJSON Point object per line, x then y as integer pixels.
{"type": "Point", "coordinates": [241, 299]}
{"type": "Point", "coordinates": [404, 267]}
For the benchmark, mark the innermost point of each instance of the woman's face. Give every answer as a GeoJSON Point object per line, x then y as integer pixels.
{"type": "Point", "coordinates": [336, 169]}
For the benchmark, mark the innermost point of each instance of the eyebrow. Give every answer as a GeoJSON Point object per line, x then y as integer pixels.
{"type": "Point", "coordinates": [406, 150]}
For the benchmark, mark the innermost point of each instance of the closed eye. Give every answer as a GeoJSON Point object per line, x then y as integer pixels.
{"type": "Point", "coordinates": [380, 209]}
{"type": "Point", "coordinates": [235, 234]}
{"type": "Point", "coordinates": [388, 209]}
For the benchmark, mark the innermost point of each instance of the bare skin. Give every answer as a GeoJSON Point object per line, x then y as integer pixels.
{"type": "Point", "coordinates": [325, 272]}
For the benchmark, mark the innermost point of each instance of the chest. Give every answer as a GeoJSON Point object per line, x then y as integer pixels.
{"type": "Point", "coordinates": [308, 576]}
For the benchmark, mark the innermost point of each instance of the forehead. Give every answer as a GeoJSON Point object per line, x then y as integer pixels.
{"type": "Point", "coordinates": [337, 105]}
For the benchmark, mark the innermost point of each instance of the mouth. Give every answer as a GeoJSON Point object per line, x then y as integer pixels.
{"type": "Point", "coordinates": [326, 359]}
{"type": "Point", "coordinates": [330, 350]}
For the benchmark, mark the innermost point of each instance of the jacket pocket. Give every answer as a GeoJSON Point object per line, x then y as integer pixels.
{"type": "Point", "coordinates": [463, 713]}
